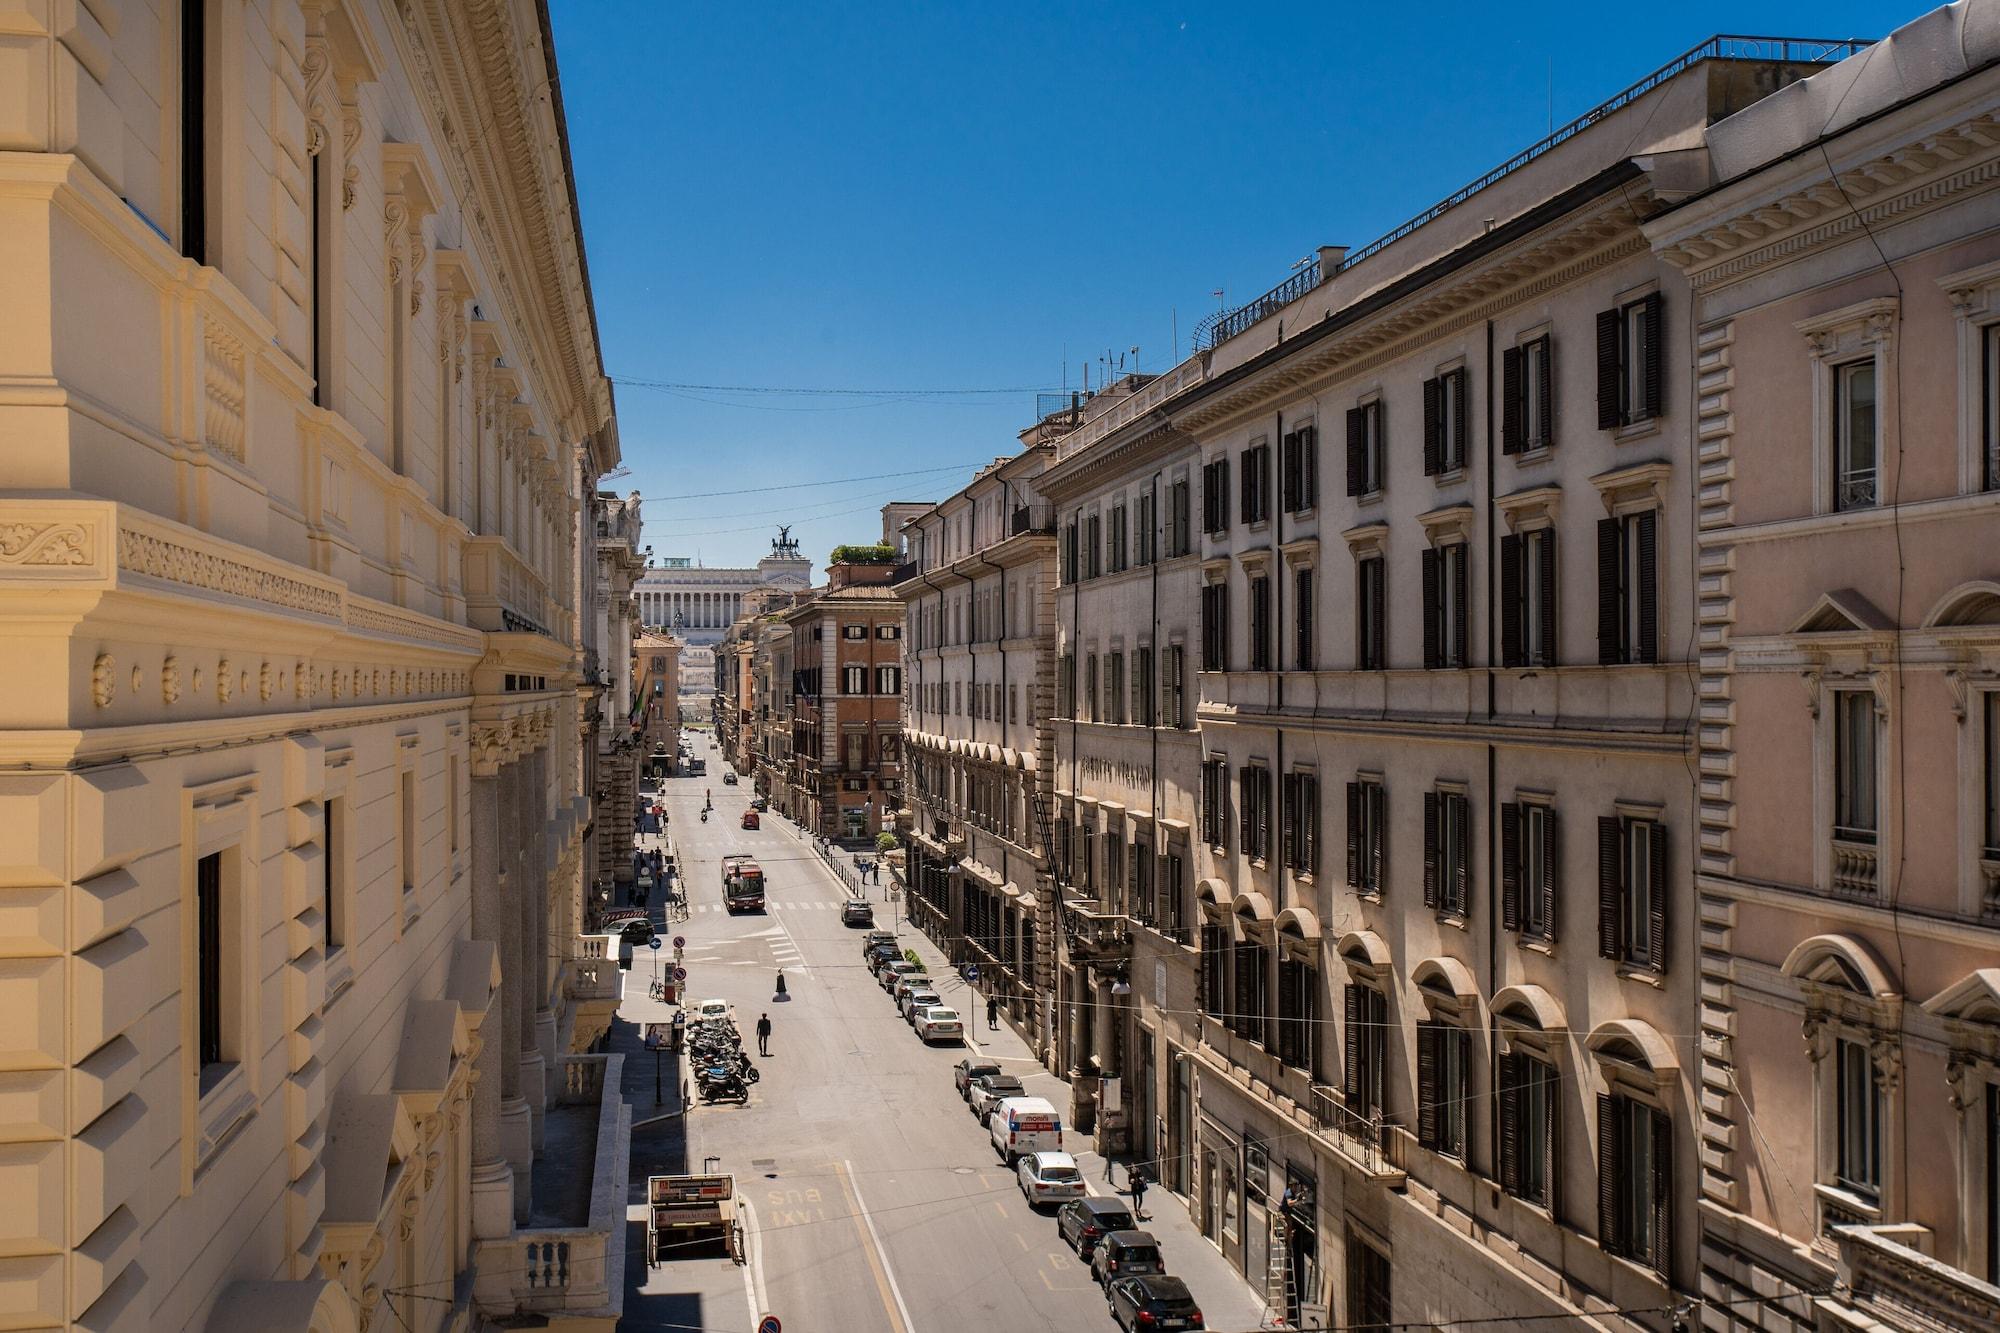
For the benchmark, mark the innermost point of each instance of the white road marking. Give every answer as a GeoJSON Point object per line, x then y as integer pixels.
{"type": "Point", "coordinates": [881, 1251]}
{"type": "Point", "coordinates": [753, 1268]}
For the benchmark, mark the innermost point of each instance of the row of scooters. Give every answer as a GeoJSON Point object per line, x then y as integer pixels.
{"type": "Point", "coordinates": [722, 1070]}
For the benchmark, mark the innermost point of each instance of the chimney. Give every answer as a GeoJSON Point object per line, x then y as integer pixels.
{"type": "Point", "coordinates": [1329, 260]}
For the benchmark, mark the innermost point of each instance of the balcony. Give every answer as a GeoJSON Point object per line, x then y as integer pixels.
{"type": "Point", "coordinates": [1363, 1137]}
{"type": "Point", "coordinates": [1854, 857]}
{"type": "Point", "coordinates": [1099, 937]}
{"type": "Point", "coordinates": [502, 594]}
{"type": "Point", "coordinates": [1031, 518]}
{"type": "Point", "coordinates": [905, 571]}
{"type": "Point", "coordinates": [569, 1261]}
{"type": "Point", "coordinates": [1885, 1282]}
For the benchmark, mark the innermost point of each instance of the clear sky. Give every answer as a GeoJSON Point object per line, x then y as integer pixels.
{"type": "Point", "coordinates": [948, 197]}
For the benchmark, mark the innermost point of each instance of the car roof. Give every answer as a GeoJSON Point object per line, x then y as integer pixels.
{"type": "Point", "coordinates": [1160, 1286]}
{"type": "Point", "coordinates": [935, 1009]}
{"type": "Point", "coordinates": [993, 1076]}
{"type": "Point", "coordinates": [1102, 1203]}
{"type": "Point", "coordinates": [1053, 1159]}
{"type": "Point", "coordinates": [1132, 1237]}
{"type": "Point", "coordinates": [971, 1063]}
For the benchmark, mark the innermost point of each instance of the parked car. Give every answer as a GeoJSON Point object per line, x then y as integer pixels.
{"type": "Point", "coordinates": [989, 1090]}
{"type": "Point", "coordinates": [895, 971]}
{"type": "Point", "coordinates": [938, 1023]}
{"type": "Point", "coordinates": [728, 779]}
{"type": "Point", "coordinates": [968, 1069]}
{"type": "Point", "coordinates": [1155, 1304]}
{"type": "Point", "coordinates": [1049, 1177]}
{"type": "Point", "coordinates": [857, 912]}
{"type": "Point", "coordinates": [1127, 1254]}
{"type": "Point", "coordinates": [752, 820]}
{"type": "Point", "coordinates": [880, 957]}
{"type": "Point", "coordinates": [710, 1010]}
{"type": "Point", "coordinates": [908, 982]}
{"type": "Point", "coordinates": [875, 937]}
{"type": "Point", "coordinates": [1020, 1125]}
{"type": "Point", "coordinates": [761, 803]}
{"type": "Point", "coordinates": [915, 1000]}
{"type": "Point", "coordinates": [1083, 1222]}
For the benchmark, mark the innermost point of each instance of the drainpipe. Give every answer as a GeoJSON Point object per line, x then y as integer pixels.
{"type": "Point", "coordinates": [1492, 756]}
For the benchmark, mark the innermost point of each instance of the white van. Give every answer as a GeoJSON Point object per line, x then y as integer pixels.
{"type": "Point", "coordinates": [1022, 1125]}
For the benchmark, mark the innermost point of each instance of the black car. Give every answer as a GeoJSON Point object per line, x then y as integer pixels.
{"type": "Point", "coordinates": [873, 938]}
{"type": "Point", "coordinates": [1165, 1300]}
{"type": "Point", "coordinates": [857, 913]}
{"type": "Point", "coordinates": [728, 779]}
{"type": "Point", "coordinates": [1127, 1254]}
{"type": "Point", "coordinates": [1081, 1222]}
{"type": "Point", "coordinates": [881, 955]}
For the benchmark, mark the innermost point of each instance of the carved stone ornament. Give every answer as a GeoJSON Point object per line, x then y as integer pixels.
{"type": "Point", "coordinates": [103, 680]}
{"type": "Point", "coordinates": [1811, 681]}
{"type": "Point", "coordinates": [350, 139]}
{"type": "Point", "coordinates": [42, 544]}
{"type": "Point", "coordinates": [1955, 681]}
{"type": "Point", "coordinates": [170, 679]}
{"type": "Point", "coordinates": [265, 682]}
{"type": "Point", "coordinates": [224, 681]}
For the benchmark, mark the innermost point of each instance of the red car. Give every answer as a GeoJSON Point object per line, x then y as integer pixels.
{"type": "Point", "coordinates": [750, 819]}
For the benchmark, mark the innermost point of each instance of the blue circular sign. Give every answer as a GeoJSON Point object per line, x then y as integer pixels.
{"type": "Point", "coordinates": [972, 973]}
{"type": "Point", "coordinates": [768, 1324]}
{"type": "Point", "coordinates": [653, 943]}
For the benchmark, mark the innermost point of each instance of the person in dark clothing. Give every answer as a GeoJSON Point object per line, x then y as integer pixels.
{"type": "Point", "coordinates": [764, 1034]}
{"type": "Point", "coordinates": [992, 1013]}
{"type": "Point", "coordinates": [1135, 1179]}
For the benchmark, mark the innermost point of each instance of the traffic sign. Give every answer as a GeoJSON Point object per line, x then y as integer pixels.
{"type": "Point", "coordinates": [653, 943]}
{"type": "Point", "coordinates": [972, 972]}
{"type": "Point", "coordinates": [680, 941]}
{"type": "Point", "coordinates": [680, 974]}
{"type": "Point", "coordinates": [768, 1324]}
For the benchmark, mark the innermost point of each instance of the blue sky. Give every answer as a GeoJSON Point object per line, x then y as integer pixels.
{"type": "Point", "coordinates": [894, 196]}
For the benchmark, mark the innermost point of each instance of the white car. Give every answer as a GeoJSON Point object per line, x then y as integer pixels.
{"type": "Point", "coordinates": [939, 1023]}
{"type": "Point", "coordinates": [709, 1011]}
{"type": "Point", "coordinates": [915, 1001]}
{"type": "Point", "coordinates": [988, 1092]}
{"type": "Point", "coordinates": [1049, 1177]}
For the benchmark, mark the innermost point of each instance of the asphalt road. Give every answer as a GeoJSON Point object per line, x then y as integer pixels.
{"type": "Point", "coordinates": [874, 1200]}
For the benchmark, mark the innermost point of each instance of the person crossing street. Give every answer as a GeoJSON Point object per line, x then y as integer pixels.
{"type": "Point", "coordinates": [764, 1035]}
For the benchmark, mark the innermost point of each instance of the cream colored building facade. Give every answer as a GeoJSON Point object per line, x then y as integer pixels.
{"type": "Point", "coordinates": [617, 563]}
{"type": "Point", "coordinates": [303, 403]}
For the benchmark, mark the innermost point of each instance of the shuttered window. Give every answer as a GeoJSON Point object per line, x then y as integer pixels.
{"type": "Point", "coordinates": [1367, 1047]}
{"type": "Point", "coordinates": [1256, 484]}
{"type": "Point", "coordinates": [1093, 547]}
{"type": "Point", "coordinates": [1300, 466]}
{"type": "Point", "coordinates": [1215, 627]}
{"type": "Point", "coordinates": [1530, 1127]}
{"type": "Point", "coordinates": [1528, 599]}
{"type": "Point", "coordinates": [1365, 474]}
{"type": "Point", "coordinates": [1214, 970]}
{"type": "Point", "coordinates": [1529, 868]}
{"type": "Point", "coordinates": [1260, 623]}
{"type": "Point", "coordinates": [1180, 538]}
{"type": "Point", "coordinates": [1173, 690]}
{"type": "Point", "coordinates": [1857, 1119]}
{"type": "Point", "coordinates": [208, 961]}
{"type": "Point", "coordinates": [1215, 496]}
{"type": "Point", "coordinates": [1298, 1012]}
{"type": "Point", "coordinates": [1215, 802]}
{"type": "Point", "coordinates": [1251, 965]}
{"type": "Point", "coordinates": [1069, 563]}
{"type": "Point", "coordinates": [1447, 852]}
{"type": "Point", "coordinates": [1303, 654]}
{"type": "Point", "coordinates": [1630, 363]}
{"type": "Point", "coordinates": [1371, 614]}
{"type": "Point", "coordinates": [1444, 1056]}
{"type": "Point", "coordinates": [1632, 891]}
{"type": "Point", "coordinates": [1527, 409]}
{"type": "Point", "coordinates": [1447, 423]}
{"type": "Point", "coordinates": [1367, 836]}
{"type": "Point", "coordinates": [1628, 589]}
{"type": "Point", "coordinates": [1254, 796]}
{"type": "Point", "coordinates": [1117, 535]}
{"type": "Point", "coordinates": [1447, 606]}
{"type": "Point", "coordinates": [1300, 793]}
{"type": "Point", "coordinates": [1634, 1181]}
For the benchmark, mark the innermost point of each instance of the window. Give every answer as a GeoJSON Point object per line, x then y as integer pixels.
{"type": "Point", "coordinates": [1447, 606]}
{"type": "Point", "coordinates": [1628, 589]}
{"type": "Point", "coordinates": [406, 845]}
{"type": "Point", "coordinates": [451, 803]}
{"type": "Point", "coordinates": [1444, 1061]}
{"type": "Point", "coordinates": [1215, 496]}
{"type": "Point", "coordinates": [1070, 548]}
{"type": "Point", "coordinates": [1858, 1119]}
{"type": "Point", "coordinates": [891, 747]}
{"type": "Point", "coordinates": [1447, 852]}
{"type": "Point", "coordinates": [1117, 538]}
{"type": "Point", "coordinates": [1445, 423]}
{"type": "Point", "coordinates": [1989, 427]}
{"type": "Point", "coordinates": [1066, 683]}
{"type": "Point", "coordinates": [1371, 614]}
{"type": "Point", "coordinates": [1143, 534]}
{"type": "Point", "coordinates": [1256, 812]}
{"type": "Point", "coordinates": [1368, 1303]}
{"type": "Point", "coordinates": [1367, 836]}
{"type": "Point", "coordinates": [1528, 865]}
{"type": "Point", "coordinates": [1180, 536]}
{"type": "Point", "coordinates": [1142, 687]}
{"type": "Point", "coordinates": [1173, 687]}
{"type": "Point", "coordinates": [1257, 483]}
{"type": "Point", "coordinates": [1090, 687]}
{"type": "Point", "coordinates": [1253, 991]}
{"type": "Point", "coordinates": [1367, 1050]}
{"type": "Point", "coordinates": [1635, 1179]}
{"type": "Point", "coordinates": [1013, 702]}
{"type": "Point", "coordinates": [1260, 623]}
{"type": "Point", "coordinates": [1301, 822]}
{"type": "Point", "coordinates": [1528, 598]}
{"type": "Point", "coordinates": [1854, 746]}
{"type": "Point", "coordinates": [1527, 419]}
{"type": "Point", "coordinates": [888, 631]}
{"type": "Point", "coordinates": [194, 126]}
{"type": "Point", "coordinates": [1365, 472]}
{"type": "Point", "coordinates": [1298, 1011]}
{"type": "Point", "coordinates": [1630, 359]}
{"type": "Point", "coordinates": [1302, 611]}
{"type": "Point", "coordinates": [331, 905]}
{"type": "Point", "coordinates": [1214, 986]}
{"type": "Point", "coordinates": [853, 631]}
{"type": "Point", "coordinates": [1991, 702]}
{"type": "Point", "coordinates": [854, 679]}
{"type": "Point", "coordinates": [888, 680]}
{"type": "Point", "coordinates": [1529, 1127]}
{"type": "Point", "coordinates": [1301, 469]}
{"type": "Point", "coordinates": [1114, 688]}
{"type": "Point", "coordinates": [1215, 802]}
{"type": "Point", "coordinates": [1632, 891]}
{"type": "Point", "coordinates": [209, 964]}
{"type": "Point", "coordinates": [1093, 547]}
{"type": "Point", "coordinates": [1215, 627]}
{"type": "Point", "coordinates": [856, 748]}
{"type": "Point", "coordinates": [1854, 434]}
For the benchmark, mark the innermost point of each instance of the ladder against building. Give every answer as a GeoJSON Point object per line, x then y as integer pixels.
{"type": "Point", "coordinates": [1280, 1296]}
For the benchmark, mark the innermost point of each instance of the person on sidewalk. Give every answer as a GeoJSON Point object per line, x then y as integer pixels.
{"type": "Point", "coordinates": [764, 1035]}
{"type": "Point", "coordinates": [992, 1014]}
{"type": "Point", "coordinates": [1135, 1180]}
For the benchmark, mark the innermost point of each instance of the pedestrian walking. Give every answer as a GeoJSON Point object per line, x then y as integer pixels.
{"type": "Point", "coordinates": [764, 1035]}
{"type": "Point", "coordinates": [1135, 1180]}
{"type": "Point", "coordinates": [992, 1014]}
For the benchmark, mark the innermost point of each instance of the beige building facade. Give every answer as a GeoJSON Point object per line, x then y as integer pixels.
{"type": "Point", "coordinates": [617, 562]}
{"type": "Point", "coordinates": [303, 406]}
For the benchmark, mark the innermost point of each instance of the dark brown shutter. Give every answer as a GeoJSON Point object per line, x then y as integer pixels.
{"type": "Point", "coordinates": [1509, 1075]}
{"type": "Point", "coordinates": [1289, 466]}
{"type": "Point", "coordinates": [1308, 466]}
{"type": "Point", "coordinates": [1552, 1142]}
{"type": "Point", "coordinates": [1288, 801]}
{"type": "Point", "coordinates": [1649, 588]}
{"type": "Point", "coordinates": [1246, 502]}
{"type": "Point", "coordinates": [1656, 901]}
{"type": "Point", "coordinates": [1608, 387]}
{"type": "Point", "coordinates": [1246, 811]}
{"type": "Point", "coordinates": [1465, 845]}
{"type": "Point", "coordinates": [1511, 428]}
{"type": "Point", "coordinates": [1663, 1193]}
{"type": "Point", "coordinates": [1609, 1172]}
{"type": "Point", "coordinates": [1550, 887]}
{"type": "Point", "coordinates": [1427, 1085]}
{"type": "Point", "coordinates": [1546, 392]}
{"type": "Point", "coordinates": [1430, 849]}
{"type": "Point", "coordinates": [1510, 866]}
{"type": "Point", "coordinates": [1546, 654]}
{"type": "Point", "coordinates": [1380, 613]}
{"type": "Point", "coordinates": [1510, 599]}
{"type": "Point", "coordinates": [1432, 648]}
{"type": "Point", "coordinates": [1222, 495]}
{"type": "Point", "coordinates": [1353, 836]}
{"type": "Point", "coordinates": [1357, 450]}
{"type": "Point", "coordinates": [1650, 320]}
{"type": "Point", "coordinates": [1378, 796]}
{"type": "Point", "coordinates": [1433, 427]}
{"type": "Point", "coordinates": [1608, 600]}
{"type": "Point", "coordinates": [1309, 787]}
{"type": "Point", "coordinates": [1461, 577]}
{"type": "Point", "coordinates": [1461, 418]}
{"type": "Point", "coordinates": [1610, 889]}
{"type": "Point", "coordinates": [1352, 1084]}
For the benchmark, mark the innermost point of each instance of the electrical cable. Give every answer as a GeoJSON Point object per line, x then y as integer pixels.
{"type": "Point", "coordinates": [822, 391]}
{"type": "Point", "coordinates": [802, 485]}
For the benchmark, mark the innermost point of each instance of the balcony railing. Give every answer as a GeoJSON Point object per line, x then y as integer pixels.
{"type": "Point", "coordinates": [1363, 1135]}
{"type": "Point", "coordinates": [1220, 327]}
{"type": "Point", "coordinates": [1100, 936]}
{"type": "Point", "coordinates": [1894, 1285]}
{"type": "Point", "coordinates": [502, 592]}
{"type": "Point", "coordinates": [1031, 518]}
{"type": "Point", "coordinates": [1854, 863]}
{"type": "Point", "coordinates": [904, 572]}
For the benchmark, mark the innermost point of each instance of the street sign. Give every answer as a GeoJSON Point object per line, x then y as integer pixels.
{"type": "Point", "coordinates": [768, 1324]}
{"type": "Point", "coordinates": [680, 974]}
{"type": "Point", "coordinates": [653, 943]}
{"type": "Point", "coordinates": [972, 972]}
{"type": "Point", "coordinates": [680, 941]}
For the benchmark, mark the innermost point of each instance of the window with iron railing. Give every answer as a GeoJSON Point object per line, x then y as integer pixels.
{"type": "Point", "coordinates": [1854, 436]}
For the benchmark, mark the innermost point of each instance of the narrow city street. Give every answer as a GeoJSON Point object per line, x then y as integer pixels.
{"type": "Point", "coordinates": [872, 1199]}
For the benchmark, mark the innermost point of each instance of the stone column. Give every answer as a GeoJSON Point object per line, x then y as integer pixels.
{"type": "Point", "coordinates": [517, 1127]}
{"type": "Point", "coordinates": [526, 998]}
{"type": "Point", "coordinates": [492, 1176]}
{"type": "Point", "coordinates": [548, 970]}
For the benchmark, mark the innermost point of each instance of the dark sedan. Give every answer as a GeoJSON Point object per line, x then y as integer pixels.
{"type": "Point", "coordinates": [1153, 1304]}
{"type": "Point", "coordinates": [1082, 1222]}
{"type": "Point", "coordinates": [1127, 1254]}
